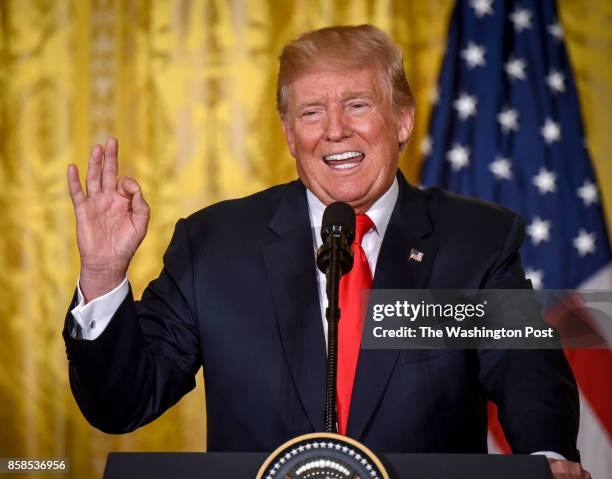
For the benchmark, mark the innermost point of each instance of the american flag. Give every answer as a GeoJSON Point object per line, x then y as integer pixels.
{"type": "Point", "coordinates": [506, 127]}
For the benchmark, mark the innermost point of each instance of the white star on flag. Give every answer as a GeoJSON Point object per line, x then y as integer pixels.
{"type": "Point", "coordinates": [515, 68]}
{"type": "Point", "coordinates": [556, 81]}
{"type": "Point", "coordinates": [551, 131]}
{"type": "Point", "coordinates": [588, 193]}
{"type": "Point", "coordinates": [459, 157]}
{"type": "Point", "coordinates": [508, 119]}
{"type": "Point", "coordinates": [539, 230]}
{"type": "Point", "coordinates": [545, 181]}
{"type": "Point", "coordinates": [465, 105]}
{"type": "Point", "coordinates": [482, 7]}
{"type": "Point", "coordinates": [585, 242]}
{"type": "Point", "coordinates": [473, 55]}
{"type": "Point", "coordinates": [501, 168]}
{"type": "Point", "coordinates": [536, 277]}
{"type": "Point", "coordinates": [556, 30]}
{"type": "Point", "coordinates": [521, 18]}
{"type": "Point", "coordinates": [426, 145]}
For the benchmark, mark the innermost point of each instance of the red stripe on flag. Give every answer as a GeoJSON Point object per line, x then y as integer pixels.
{"type": "Point", "coordinates": [592, 367]}
{"type": "Point", "coordinates": [496, 430]}
{"type": "Point", "coordinates": [593, 371]}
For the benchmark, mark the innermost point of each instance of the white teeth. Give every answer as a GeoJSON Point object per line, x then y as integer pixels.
{"type": "Point", "coordinates": [342, 156]}
{"type": "Point", "coordinates": [345, 166]}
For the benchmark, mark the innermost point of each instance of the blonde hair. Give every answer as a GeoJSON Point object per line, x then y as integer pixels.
{"type": "Point", "coordinates": [344, 47]}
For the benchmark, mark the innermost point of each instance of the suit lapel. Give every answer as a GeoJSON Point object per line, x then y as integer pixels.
{"type": "Point", "coordinates": [291, 267]}
{"type": "Point", "coordinates": [408, 230]}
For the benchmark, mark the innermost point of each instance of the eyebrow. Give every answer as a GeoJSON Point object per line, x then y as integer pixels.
{"type": "Point", "coordinates": [357, 94]}
{"type": "Point", "coordinates": [309, 103]}
{"type": "Point", "coordinates": [350, 95]}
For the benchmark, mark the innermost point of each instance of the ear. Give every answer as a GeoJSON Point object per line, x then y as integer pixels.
{"type": "Point", "coordinates": [289, 135]}
{"type": "Point", "coordinates": [405, 120]}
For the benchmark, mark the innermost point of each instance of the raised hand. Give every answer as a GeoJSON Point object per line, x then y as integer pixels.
{"type": "Point", "coordinates": [111, 220]}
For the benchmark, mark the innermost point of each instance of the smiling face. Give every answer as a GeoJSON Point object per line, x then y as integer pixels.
{"type": "Point", "coordinates": [344, 135]}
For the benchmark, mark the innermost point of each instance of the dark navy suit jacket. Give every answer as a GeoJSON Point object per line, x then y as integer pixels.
{"type": "Point", "coordinates": [238, 294]}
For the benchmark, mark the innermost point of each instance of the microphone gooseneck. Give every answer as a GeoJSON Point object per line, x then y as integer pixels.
{"type": "Point", "coordinates": [335, 259]}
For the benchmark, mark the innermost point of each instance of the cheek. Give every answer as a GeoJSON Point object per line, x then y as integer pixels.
{"type": "Point", "coordinates": [374, 126]}
{"type": "Point", "coordinates": [306, 142]}
{"type": "Point", "coordinates": [380, 137]}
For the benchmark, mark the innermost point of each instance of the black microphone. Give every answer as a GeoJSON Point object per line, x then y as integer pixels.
{"type": "Point", "coordinates": [335, 259]}
{"type": "Point", "coordinates": [337, 230]}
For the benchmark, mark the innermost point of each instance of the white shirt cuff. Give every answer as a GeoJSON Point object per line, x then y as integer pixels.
{"type": "Point", "coordinates": [549, 455]}
{"type": "Point", "coordinates": [93, 317]}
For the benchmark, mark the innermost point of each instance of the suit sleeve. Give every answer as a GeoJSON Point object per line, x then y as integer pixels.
{"type": "Point", "coordinates": [147, 357]}
{"type": "Point", "coordinates": [534, 390]}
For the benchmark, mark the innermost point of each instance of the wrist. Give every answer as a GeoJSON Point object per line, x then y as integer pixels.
{"type": "Point", "coordinates": [95, 282]}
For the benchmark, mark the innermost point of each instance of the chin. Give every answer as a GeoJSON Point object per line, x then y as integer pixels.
{"type": "Point", "coordinates": [351, 196]}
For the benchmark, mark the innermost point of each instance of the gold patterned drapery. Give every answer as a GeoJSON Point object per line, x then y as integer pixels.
{"type": "Point", "coordinates": [188, 88]}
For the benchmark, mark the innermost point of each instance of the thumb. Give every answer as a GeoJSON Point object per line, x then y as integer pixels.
{"type": "Point", "coordinates": [140, 213]}
{"type": "Point", "coordinates": [130, 189]}
{"type": "Point", "coordinates": [127, 187]}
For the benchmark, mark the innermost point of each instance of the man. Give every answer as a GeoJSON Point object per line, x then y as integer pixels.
{"type": "Point", "coordinates": [239, 292]}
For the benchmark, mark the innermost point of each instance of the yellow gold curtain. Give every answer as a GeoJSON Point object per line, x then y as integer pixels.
{"type": "Point", "coordinates": [188, 88]}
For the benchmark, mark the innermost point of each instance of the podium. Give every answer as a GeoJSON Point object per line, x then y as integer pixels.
{"type": "Point", "coordinates": [225, 465]}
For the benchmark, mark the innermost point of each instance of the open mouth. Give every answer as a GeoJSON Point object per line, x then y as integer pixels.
{"type": "Point", "coordinates": [344, 160]}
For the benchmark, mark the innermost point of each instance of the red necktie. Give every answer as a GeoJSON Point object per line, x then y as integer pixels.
{"type": "Point", "coordinates": [350, 326]}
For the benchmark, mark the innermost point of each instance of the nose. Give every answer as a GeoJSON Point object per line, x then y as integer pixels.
{"type": "Point", "coordinates": [337, 127]}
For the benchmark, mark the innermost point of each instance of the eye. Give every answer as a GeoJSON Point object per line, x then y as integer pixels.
{"type": "Point", "coordinates": [310, 115]}
{"type": "Point", "coordinates": [358, 107]}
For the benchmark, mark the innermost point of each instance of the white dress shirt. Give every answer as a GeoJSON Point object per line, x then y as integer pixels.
{"type": "Point", "coordinates": [379, 213]}
{"type": "Point", "coordinates": [94, 316]}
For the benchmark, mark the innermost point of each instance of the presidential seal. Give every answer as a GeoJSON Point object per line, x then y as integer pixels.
{"type": "Point", "coordinates": [322, 456]}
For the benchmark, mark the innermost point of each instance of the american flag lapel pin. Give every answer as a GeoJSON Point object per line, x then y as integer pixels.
{"type": "Point", "coordinates": [416, 255]}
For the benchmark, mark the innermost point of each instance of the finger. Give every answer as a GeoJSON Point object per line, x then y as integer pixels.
{"type": "Point", "coordinates": [575, 468]}
{"type": "Point", "coordinates": [139, 205]}
{"type": "Point", "coordinates": [110, 168]}
{"type": "Point", "coordinates": [563, 469]}
{"type": "Point", "coordinates": [74, 185]}
{"type": "Point", "coordinates": [140, 214]}
{"type": "Point", "coordinates": [131, 190]}
{"type": "Point", "coordinates": [127, 187]}
{"type": "Point", "coordinates": [94, 169]}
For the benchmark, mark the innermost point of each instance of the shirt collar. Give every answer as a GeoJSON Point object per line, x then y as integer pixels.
{"type": "Point", "coordinates": [379, 212]}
